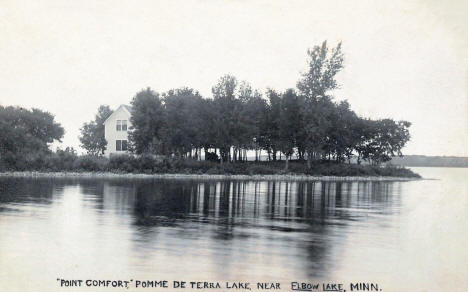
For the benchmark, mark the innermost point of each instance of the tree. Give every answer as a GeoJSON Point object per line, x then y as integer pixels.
{"type": "Point", "coordinates": [289, 123]}
{"type": "Point", "coordinates": [340, 142]}
{"type": "Point", "coordinates": [226, 115]}
{"type": "Point", "coordinates": [147, 120]}
{"type": "Point", "coordinates": [92, 134]}
{"type": "Point", "coordinates": [390, 138]}
{"type": "Point", "coordinates": [26, 135]}
{"type": "Point", "coordinates": [315, 85]}
{"type": "Point", "coordinates": [323, 65]}
{"type": "Point", "coordinates": [249, 111]}
{"type": "Point", "coordinates": [182, 120]}
{"type": "Point", "coordinates": [317, 126]}
{"type": "Point", "coordinates": [271, 124]}
{"type": "Point", "coordinates": [364, 132]}
{"type": "Point", "coordinates": [207, 131]}
{"type": "Point", "coordinates": [381, 140]}
{"type": "Point", "coordinates": [253, 113]}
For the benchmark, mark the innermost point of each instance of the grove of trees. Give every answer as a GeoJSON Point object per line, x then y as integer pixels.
{"type": "Point", "coordinates": [26, 136]}
{"type": "Point", "coordinates": [303, 122]}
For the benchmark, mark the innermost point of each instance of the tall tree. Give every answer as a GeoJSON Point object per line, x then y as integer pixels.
{"type": "Point", "coordinates": [182, 120]}
{"type": "Point", "coordinates": [271, 124]}
{"type": "Point", "coordinates": [315, 85]}
{"type": "Point", "coordinates": [340, 142]}
{"type": "Point", "coordinates": [252, 112]}
{"type": "Point", "coordinates": [92, 134]}
{"type": "Point", "coordinates": [208, 131]}
{"type": "Point", "coordinates": [317, 125]}
{"type": "Point", "coordinates": [226, 115]}
{"type": "Point", "coordinates": [320, 77]}
{"type": "Point", "coordinates": [289, 123]}
{"type": "Point", "coordinates": [147, 121]}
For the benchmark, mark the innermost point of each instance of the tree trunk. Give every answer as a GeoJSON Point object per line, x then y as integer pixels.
{"type": "Point", "coordinates": [301, 151]}
{"type": "Point", "coordinates": [286, 165]}
{"type": "Point", "coordinates": [309, 158]}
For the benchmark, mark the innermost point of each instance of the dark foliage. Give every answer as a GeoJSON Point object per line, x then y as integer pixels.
{"type": "Point", "coordinates": [25, 137]}
{"type": "Point", "coordinates": [305, 123]}
{"type": "Point", "coordinates": [92, 133]}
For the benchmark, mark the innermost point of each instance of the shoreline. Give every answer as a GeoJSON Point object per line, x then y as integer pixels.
{"type": "Point", "coordinates": [257, 177]}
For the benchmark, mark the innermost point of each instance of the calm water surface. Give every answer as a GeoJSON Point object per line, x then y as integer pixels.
{"type": "Point", "coordinates": [406, 236]}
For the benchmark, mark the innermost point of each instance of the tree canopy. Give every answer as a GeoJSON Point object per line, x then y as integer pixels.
{"type": "Point", "coordinates": [25, 135]}
{"type": "Point", "coordinates": [305, 122]}
{"type": "Point", "coordinates": [147, 121]}
{"type": "Point", "coordinates": [92, 133]}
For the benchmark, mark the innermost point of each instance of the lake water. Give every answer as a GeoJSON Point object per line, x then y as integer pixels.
{"type": "Point", "coordinates": [405, 236]}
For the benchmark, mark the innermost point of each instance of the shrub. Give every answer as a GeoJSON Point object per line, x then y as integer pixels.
{"type": "Point", "coordinates": [60, 160]}
{"type": "Point", "coordinates": [214, 170]}
{"type": "Point", "coordinates": [211, 156]}
{"type": "Point", "coordinates": [260, 169]}
{"type": "Point", "coordinates": [68, 160]}
{"type": "Point", "coordinates": [91, 163]}
{"type": "Point", "coordinates": [124, 162]}
{"type": "Point", "coordinates": [146, 163]}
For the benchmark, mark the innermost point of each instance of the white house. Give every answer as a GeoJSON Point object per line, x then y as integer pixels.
{"type": "Point", "coordinates": [115, 130]}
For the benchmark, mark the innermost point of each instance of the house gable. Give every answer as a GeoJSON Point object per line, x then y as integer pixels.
{"type": "Point", "coordinates": [116, 128]}
{"type": "Point", "coordinates": [127, 109]}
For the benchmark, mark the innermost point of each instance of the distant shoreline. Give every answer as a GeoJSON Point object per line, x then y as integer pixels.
{"type": "Point", "coordinates": [431, 161]}
{"type": "Point", "coordinates": [257, 177]}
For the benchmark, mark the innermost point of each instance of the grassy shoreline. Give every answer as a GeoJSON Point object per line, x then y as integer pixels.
{"type": "Point", "coordinates": [148, 166]}
{"type": "Point", "coordinates": [267, 177]}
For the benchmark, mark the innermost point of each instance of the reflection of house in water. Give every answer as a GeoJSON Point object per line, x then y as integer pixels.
{"type": "Point", "coordinates": [119, 196]}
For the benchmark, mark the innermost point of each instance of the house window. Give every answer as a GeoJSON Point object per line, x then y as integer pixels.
{"type": "Point", "coordinates": [121, 145]}
{"type": "Point", "coordinates": [119, 125]}
{"type": "Point", "coordinates": [124, 125]}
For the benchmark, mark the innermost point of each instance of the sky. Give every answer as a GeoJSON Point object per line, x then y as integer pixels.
{"type": "Point", "coordinates": [406, 60]}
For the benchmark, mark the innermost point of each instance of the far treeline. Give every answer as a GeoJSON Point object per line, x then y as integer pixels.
{"type": "Point", "coordinates": [303, 123]}
{"type": "Point", "coordinates": [430, 161]}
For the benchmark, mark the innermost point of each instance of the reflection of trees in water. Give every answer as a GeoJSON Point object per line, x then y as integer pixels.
{"type": "Point", "coordinates": [164, 202]}
{"type": "Point", "coordinates": [224, 202]}
{"type": "Point", "coordinates": [30, 190]}
{"type": "Point", "coordinates": [302, 218]}
{"type": "Point", "coordinates": [228, 210]}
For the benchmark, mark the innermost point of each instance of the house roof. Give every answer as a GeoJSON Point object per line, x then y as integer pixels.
{"type": "Point", "coordinates": [127, 107]}
{"type": "Point", "coordinates": [124, 106]}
